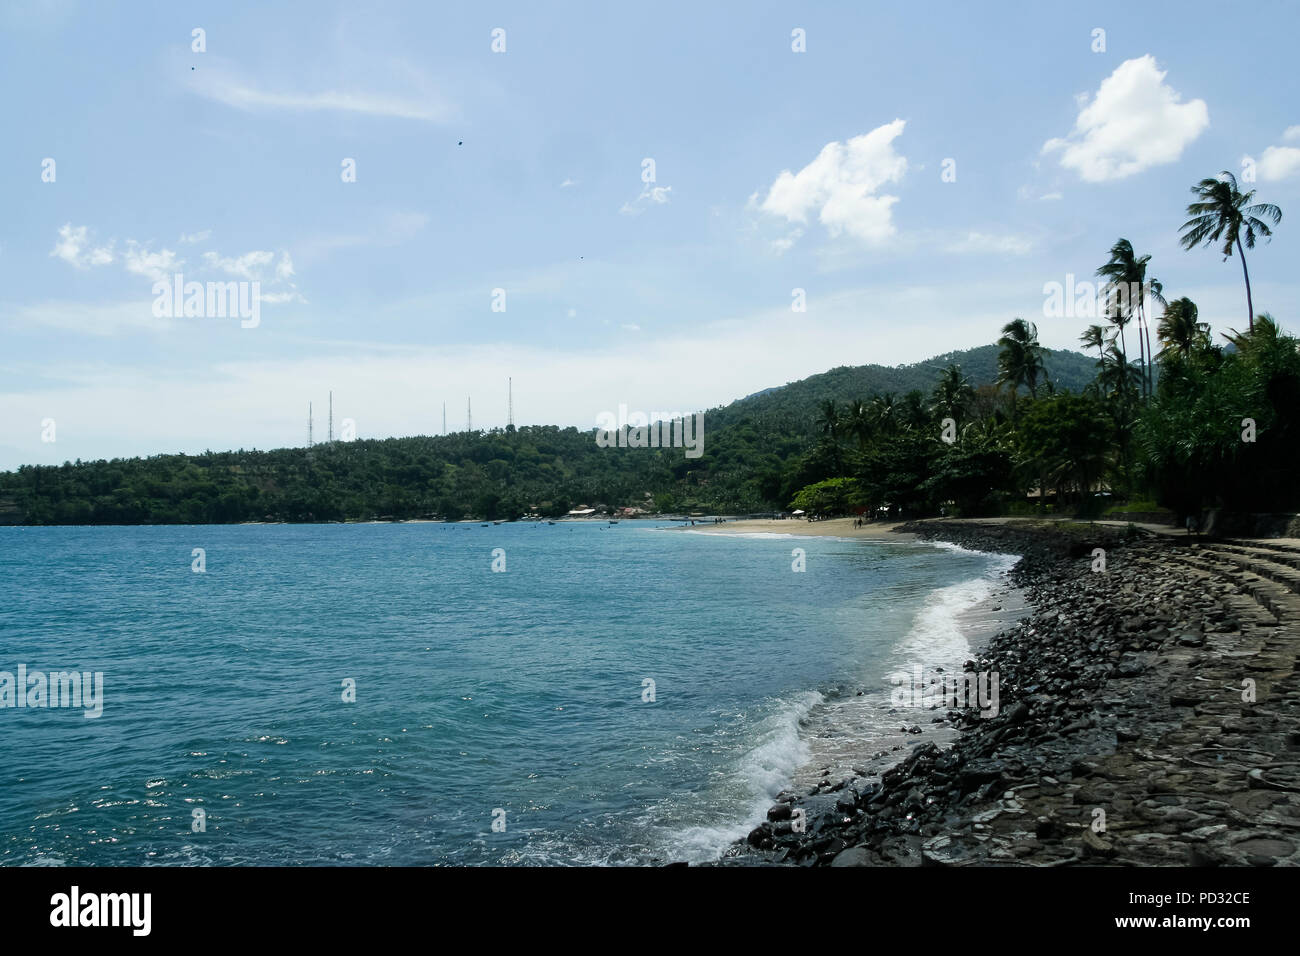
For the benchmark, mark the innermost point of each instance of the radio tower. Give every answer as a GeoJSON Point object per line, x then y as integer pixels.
{"type": "Point", "coordinates": [510, 402]}
{"type": "Point", "coordinates": [444, 418]}
{"type": "Point", "coordinates": [309, 442]}
{"type": "Point", "coordinates": [469, 418]}
{"type": "Point", "coordinates": [331, 418]}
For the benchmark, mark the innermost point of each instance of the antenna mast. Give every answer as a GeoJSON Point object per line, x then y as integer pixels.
{"type": "Point", "coordinates": [331, 418]}
{"type": "Point", "coordinates": [469, 418]}
{"type": "Point", "coordinates": [309, 442]}
{"type": "Point", "coordinates": [510, 402]}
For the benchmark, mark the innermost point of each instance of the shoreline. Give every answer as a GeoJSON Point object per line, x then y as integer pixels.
{"type": "Point", "coordinates": [1123, 736]}
{"type": "Point", "coordinates": [830, 528]}
{"type": "Point", "coordinates": [870, 750]}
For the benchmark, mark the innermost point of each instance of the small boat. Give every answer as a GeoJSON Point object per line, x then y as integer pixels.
{"type": "Point", "coordinates": [483, 525]}
{"type": "Point", "coordinates": [550, 522]}
{"type": "Point", "coordinates": [613, 522]}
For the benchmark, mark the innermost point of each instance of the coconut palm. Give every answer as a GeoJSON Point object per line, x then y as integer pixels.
{"type": "Point", "coordinates": [952, 394]}
{"type": "Point", "coordinates": [1223, 212]}
{"type": "Point", "coordinates": [1127, 287]}
{"type": "Point", "coordinates": [1094, 337]}
{"type": "Point", "coordinates": [1179, 331]}
{"type": "Point", "coordinates": [828, 419]}
{"type": "Point", "coordinates": [1118, 378]}
{"type": "Point", "coordinates": [1020, 361]}
{"type": "Point", "coordinates": [883, 411]}
{"type": "Point", "coordinates": [1263, 333]}
{"type": "Point", "coordinates": [857, 422]}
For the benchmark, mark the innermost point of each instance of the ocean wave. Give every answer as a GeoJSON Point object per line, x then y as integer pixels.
{"type": "Point", "coordinates": [755, 779]}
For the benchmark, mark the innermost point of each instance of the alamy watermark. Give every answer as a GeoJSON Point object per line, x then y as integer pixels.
{"type": "Point", "coordinates": [176, 298]}
{"type": "Point", "coordinates": [37, 689]}
{"type": "Point", "coordinates": [653, 430]}
{"type": "Point", "coordinates": [977, 689]}
{"type": "Point", "coordinates": [1084, 299]}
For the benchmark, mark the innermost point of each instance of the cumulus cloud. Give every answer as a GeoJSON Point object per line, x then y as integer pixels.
{"type": "Point", "coordinates": [842, 187]}
{"type": "Point", "coordinates": [143, 261]}
{"type": "Point", "coordinates": [247, 266]}
{"type": "Point", "coordinates": [1280, 162]}
{"type": "Point", "coordinates": [74, 248]}
{"type": "Point", "coordinates": [192, 237]}
{"type": "Point", "coordinates": [1135, 121]}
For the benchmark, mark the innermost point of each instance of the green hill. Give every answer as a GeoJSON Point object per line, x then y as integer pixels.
{"type": "Point", "coordinates": [795, 405]}
{"type": "Point", "coordinates": [750, 449]}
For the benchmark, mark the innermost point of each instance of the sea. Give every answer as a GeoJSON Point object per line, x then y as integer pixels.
{"type": "Point", "coordinates": [420, 694]}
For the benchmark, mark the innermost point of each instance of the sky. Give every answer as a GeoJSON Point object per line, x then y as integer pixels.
{"type": "Point", "coordinates": [604, 204]}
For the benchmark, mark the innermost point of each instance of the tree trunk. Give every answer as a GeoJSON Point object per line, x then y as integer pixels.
{"type": "Point", "coordinates": [1142, 361]}
{"type": "Point", "coordinates": [1250, 306]}
{"type": "Point", "coordinates": [1152, 388]}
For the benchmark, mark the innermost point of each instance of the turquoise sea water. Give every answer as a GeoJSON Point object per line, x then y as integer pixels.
{"type": "Point", "coordinates": [476, 691]}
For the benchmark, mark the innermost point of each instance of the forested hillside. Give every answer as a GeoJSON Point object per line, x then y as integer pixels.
{"type": "Point", "coordinates": [750, 463]}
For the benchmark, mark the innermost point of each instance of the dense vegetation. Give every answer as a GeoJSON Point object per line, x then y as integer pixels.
{"type": "Point", "coordinates": [1193, 425]}
{"type": "Point", "coordinates": [1196, 425]}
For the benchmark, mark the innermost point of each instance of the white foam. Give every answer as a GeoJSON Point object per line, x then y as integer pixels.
{"type": "Point", "coordinates": [759, 775]}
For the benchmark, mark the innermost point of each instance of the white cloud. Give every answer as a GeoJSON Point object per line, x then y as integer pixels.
{"type": "Point", "coordinates": [841, 185]}
{"type": "Point", "coordinates": [248, 266]}
{"type": "Point", "coordinates": [156, 265]}
{"type": "Point", "coordinates": [784, 244]}
{"type": "Point", "coordinates": [284, 268]}
{"type": "Point", "coordinates": [1134, 122]}
{"type": "Point", "coordinates": [567, 183]}
{"type": "Point", "coordinates": [74, 248]}
{"type": "Point", "coordinates": [1047, 196]}
{"type": "Point", "coordinates": [1279, 162]}
{"type": "Point", "coordinates": [222, 82]}
{"type": "Point", "coordinates": [650, 196]}
{"type": "Point", "coordinates": [192, 237]}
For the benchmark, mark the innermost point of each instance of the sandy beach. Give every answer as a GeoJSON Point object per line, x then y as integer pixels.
{"type": "Point", "coordinates": [833, 527]}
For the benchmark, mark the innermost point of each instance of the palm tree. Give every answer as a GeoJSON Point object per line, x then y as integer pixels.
{"type": "Point", "coordinates": [1179, 332]}
{"type": "Point", "coordinates": [1094, 337]}
{"type": "Point", "coordinates": [952, 394]}
{"type": "Point", "coordinates": [828, 419]}
{"type": "Point", "coordinates": [1118, 378]}
{"type": "Point", "coordinates": [883, 408]}
{"type": "Point", "coordinates": [1127, 287]}
{"type": "Point", "coordinates": [1263, 333]}
{"type": "Point", "coordinates": [1020, 361]}
{"type": "Point", "coordinates": [857, 422]}
{"type": "Point", "coordinates": [1221, 213]}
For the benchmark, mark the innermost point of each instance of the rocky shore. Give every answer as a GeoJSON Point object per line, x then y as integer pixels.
{"type": "Point", "coordinates": [1149, 714]}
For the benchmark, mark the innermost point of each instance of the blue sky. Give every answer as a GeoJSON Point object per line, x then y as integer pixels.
{"type": "Point", "coordinates": [523, 170]}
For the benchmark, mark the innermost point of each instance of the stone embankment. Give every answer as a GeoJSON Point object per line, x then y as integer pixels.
{"type": "Point", "coordinates": [1149, 714]}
